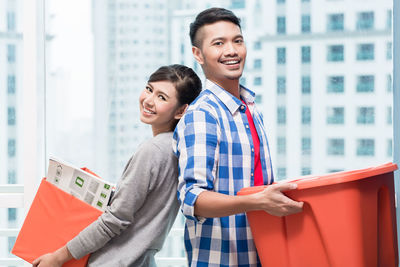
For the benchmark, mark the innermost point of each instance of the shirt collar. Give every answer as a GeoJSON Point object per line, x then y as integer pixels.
{"type": "Point", "coordinates": [231, 102]}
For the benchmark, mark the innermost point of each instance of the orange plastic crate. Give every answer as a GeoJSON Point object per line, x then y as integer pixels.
{"type": "Point", "coordinates": [348, 219]}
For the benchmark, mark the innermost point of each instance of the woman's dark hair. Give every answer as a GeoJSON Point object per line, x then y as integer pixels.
{"type": "Point", "coordinates": [186, 81]}
{"type": "Point", "coordinates": [210, 16]}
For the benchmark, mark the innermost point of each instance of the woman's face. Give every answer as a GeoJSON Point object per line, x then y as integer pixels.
{"type": "Point", "coordinates": [159, 106]}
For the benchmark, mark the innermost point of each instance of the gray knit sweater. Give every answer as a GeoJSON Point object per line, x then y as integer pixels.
{"type": "Point", "coordinates": [142, 211]}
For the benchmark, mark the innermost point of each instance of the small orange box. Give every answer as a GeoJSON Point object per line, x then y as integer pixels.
{"type": "Point", "coordinates": [348, 219]}
{"type": "Point", "coordinates": [54, 218]}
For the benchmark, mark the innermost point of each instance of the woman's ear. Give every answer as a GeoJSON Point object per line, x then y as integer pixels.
{"type": "Point", "coordinates": [180, 111]}
{"type": "Point", "coordinates": [198, 55]}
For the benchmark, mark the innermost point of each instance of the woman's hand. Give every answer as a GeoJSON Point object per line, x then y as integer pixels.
{"type": "Point", "coordinates": [47, 260]}
{"type": "Point", "coordinates": [55, 259]}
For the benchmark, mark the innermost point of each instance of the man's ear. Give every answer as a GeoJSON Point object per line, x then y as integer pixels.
{"type": "Point", "coordinates": [180, 111]}
{"type": "Point", "coordinates": [198, 55]}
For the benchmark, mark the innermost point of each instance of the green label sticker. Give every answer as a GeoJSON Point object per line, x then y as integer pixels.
{"type": "Point", "coordinates": [103, 195]}
{"type": "Point", "coordinates": [107, 186]}
{"type": "Point", "coordinates": [100, 204]}
{"type": "Point", "coordinates": [79, 181]}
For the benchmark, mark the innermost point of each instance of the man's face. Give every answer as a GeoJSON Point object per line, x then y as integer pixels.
{"type": "Point", "coordinates": [222, 51]}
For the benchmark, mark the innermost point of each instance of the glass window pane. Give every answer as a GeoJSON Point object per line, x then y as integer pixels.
{"type": "Point", "coordinates": [365, 83]}
{"type": "Point", "coordinates": [365, 20]}
{"type": "Point", "coordinates": [335, 53]}
{"type": "Point", "coordinates": [281, 55]}
{"type": "Point", "coordinates": [335, 84]}
{"type": "Point", "coordinates": [305, 23]}
{"type": "Point", "coordinates": [365, 52]}
{"type": "Point", "coordinates": [335, 22]}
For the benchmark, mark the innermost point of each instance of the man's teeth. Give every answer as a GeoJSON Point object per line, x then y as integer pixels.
{"type": "Point", "coordinates": [148, 111]}
{"type": "Point", "coordinates": [231, 62]}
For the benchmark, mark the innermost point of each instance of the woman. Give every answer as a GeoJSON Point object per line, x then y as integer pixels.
{"type": "Point", "coordinates": [134, 227]}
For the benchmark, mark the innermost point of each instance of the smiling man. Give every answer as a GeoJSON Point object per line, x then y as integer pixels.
{"type": "Point", "coordinates": [222, 147]}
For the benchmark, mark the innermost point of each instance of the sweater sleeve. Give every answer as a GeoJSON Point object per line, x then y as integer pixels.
{"type": "Point", "coordinates": [128, 199]}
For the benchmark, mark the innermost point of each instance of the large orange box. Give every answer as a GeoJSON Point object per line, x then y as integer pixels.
{"type": "Point", "coordinates": [348, 219]}
{"type": "Point", "coordinates": [54, 218]}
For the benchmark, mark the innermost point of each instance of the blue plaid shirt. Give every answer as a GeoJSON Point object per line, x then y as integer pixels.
{"type": "Point", "coordinates": [215, 151]}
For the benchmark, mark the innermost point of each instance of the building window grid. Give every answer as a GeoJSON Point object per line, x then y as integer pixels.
{"type": "Point", "coordinates": [281, 85]}
{"type": "Point", "coordinates": [306, 146]}
{"type": "Point", "coordinates": [365, 147]}
{"type": "Point", "coordinates": [11, 116]}
{"type": "Point", "coordinates": [281, 144]}
{"type": "Point", "coordinates": [306, 115]}
{"type": "Point", "coordinates": [335, 84]}
{"type": "Point", "coordinates": [281, 55]}
{"type": "Point", "coordinates": [281, 25]}
{"type": "Point", "coordinates": [11, 148]}
{"type": "Point", "coordinates": [335, 53]}
{"type": "Point", "coordinates": [305, 23]}
{"type": "Point", "coordinates": [305, 85]}
{"type": "Point", "coordinates": [257, 64]}
{"type": "Point", "coordinates": [11, 84]}
{"type": "Point", "coordinates": [365, 20]}
{"type": "Point", "coordinates": [389, 116]}
{"type": "Point", "coordinates": [11, 26]}
{"type": "Point", "coordinates": [335, 22]}
{"type": "Point", "coordinates": [389, 51]}
{"type": "Point", "coordinates": [281, 115]}
{"type": "Point", "coordinates": [335, 147]}
{"type": "Point", "coordinates": [11, 53]}
{"type": "Point", "coordinates": [305, 170]}
{"type": "Point", "coordinates": [365, 52]}
{"type": "Point", "coordinates": [335, 115]}
{"type": "Point", "coordinates": [389, 151]}
{"type": "Point", "coordinates": [366, 115]}
{"type": "Point", "coordinates": [257, 81]}
{"type": "Point", "coordinates": [305, 54]}
{"type": "Point", "coordinates": [365, 83]}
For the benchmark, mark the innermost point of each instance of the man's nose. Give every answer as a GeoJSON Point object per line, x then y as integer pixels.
{"type": "Point", "coordinates": [230, 49]}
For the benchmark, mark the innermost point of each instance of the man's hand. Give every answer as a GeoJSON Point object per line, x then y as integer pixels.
{"type": "Point", "coordinates": [273, 201]}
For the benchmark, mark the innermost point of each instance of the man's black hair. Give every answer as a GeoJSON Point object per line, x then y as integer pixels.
{"type": "Point", "coordinates": [210, 16]}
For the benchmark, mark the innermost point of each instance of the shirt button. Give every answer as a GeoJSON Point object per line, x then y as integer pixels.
{"type": "Point", "coordinates": [252, 174]}
{"type": "Point", "coordinates": [252, 149]}
{"type": "Point", "coordinates": [241, 107]}
{"type": "Point", "coordinates": [247, 126]}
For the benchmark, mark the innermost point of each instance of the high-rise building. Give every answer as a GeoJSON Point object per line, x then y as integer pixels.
{"type": "Point", "coordinates": [131, 41]}
{"type": "Point", "coordinates": [10, 104]}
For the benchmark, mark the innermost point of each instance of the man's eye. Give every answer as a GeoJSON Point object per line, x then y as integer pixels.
{"type": "Point", "coordinates": [239, 41]}
{"type": "Point", "coordinates": [218, 43]}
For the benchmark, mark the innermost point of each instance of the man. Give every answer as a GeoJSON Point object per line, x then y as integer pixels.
{"type": "Point", "coordinates": [222, 147]}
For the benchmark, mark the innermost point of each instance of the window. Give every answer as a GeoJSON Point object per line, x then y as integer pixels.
{"type": "Point", "coordinates": [306, 146]}
{"type": "Point", "coordinates": [389, 20]}
{"type": "Point", "coordinates": [281, 85]}
{"type": "Point", "coordinates": [365, 52]}
{"type": "Point", "coordinates": [335, 115]}
{"type": "Point", "coordinates": [12, 177]}
{"type": "Point", "coordinates": [389, 51]}
{"type": "Point", "coordinates": [365, 83]}
{"type": "Point", "coordinates": [11, 116]}
{"type": "Point", "coordinates": [335, 53]}
{"type": "Point", "coordinates": [305, 171]}
{"type": "Point", "coordinates": [238, 4]}
{"type": "Point", "coordinates": [281, 173]}
{"type": "Point", "coordinates": [365, 115]}
{"type": "Point", "coordinates": [257, 81]}
{"type": "Point", "coordinates": [11, 84]}
{"type": "Point", "coordinates": [365, 21]}
{"type": "Point", "coordinates": [281, 146]}
{"type": "Point", "coordinates": [281, 115]}
{"type": "Point", "coordinates": [389, 150]}
{"type": "Point", "coordinates": [11, 21]}
{"type": "Point", "coordinates": [389, 116]}
{"type": "Point", "coordinates": [280, 25]}
{"type": "Point", "coordinates": [335, 147]}
{"type": "Point", "coordinates": [335, 22]}
{"type": "Point", "coordinates": [280, 1]}
{"type": "Point", "coordinates": [258, 99]}
{"type": "Point", "coordinates": [335, 84]}
{"type": "Point", "coordinates": [281, 55]}
{"type": "Point", "coordinates": [389, 83]}
{"type": "Point", "coordinates": [12, 214]}
{"type": "Point", "coordinates": [243, 81]}
{"type": "Point", "coordinates": [305, 23]}
{"type": "Point", "coordinates": [305, 54]}
{"type": "Point", "coordinates": [257, 45]}
{"type": "Point", "coordinates": [11, 148]}
{"type": "Point", "coordinates": [306, 115]}
{"type": "Point", "coordinates": [305, 84]}
{"type": "Point", "coordinates": [365, 147]}
{"type": "Point", "coordinates": [11, 53]}
{"type": "Point", "coordinates": [257, 64]}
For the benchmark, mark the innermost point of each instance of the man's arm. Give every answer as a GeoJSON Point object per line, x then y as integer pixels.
{"type": "Point", "coordinates": [271, 199]}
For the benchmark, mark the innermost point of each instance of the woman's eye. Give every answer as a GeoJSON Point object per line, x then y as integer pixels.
{"type": "Point", "coordinates": [162, 97]}
{"type": "Point", "coordinates": [149, 89]}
